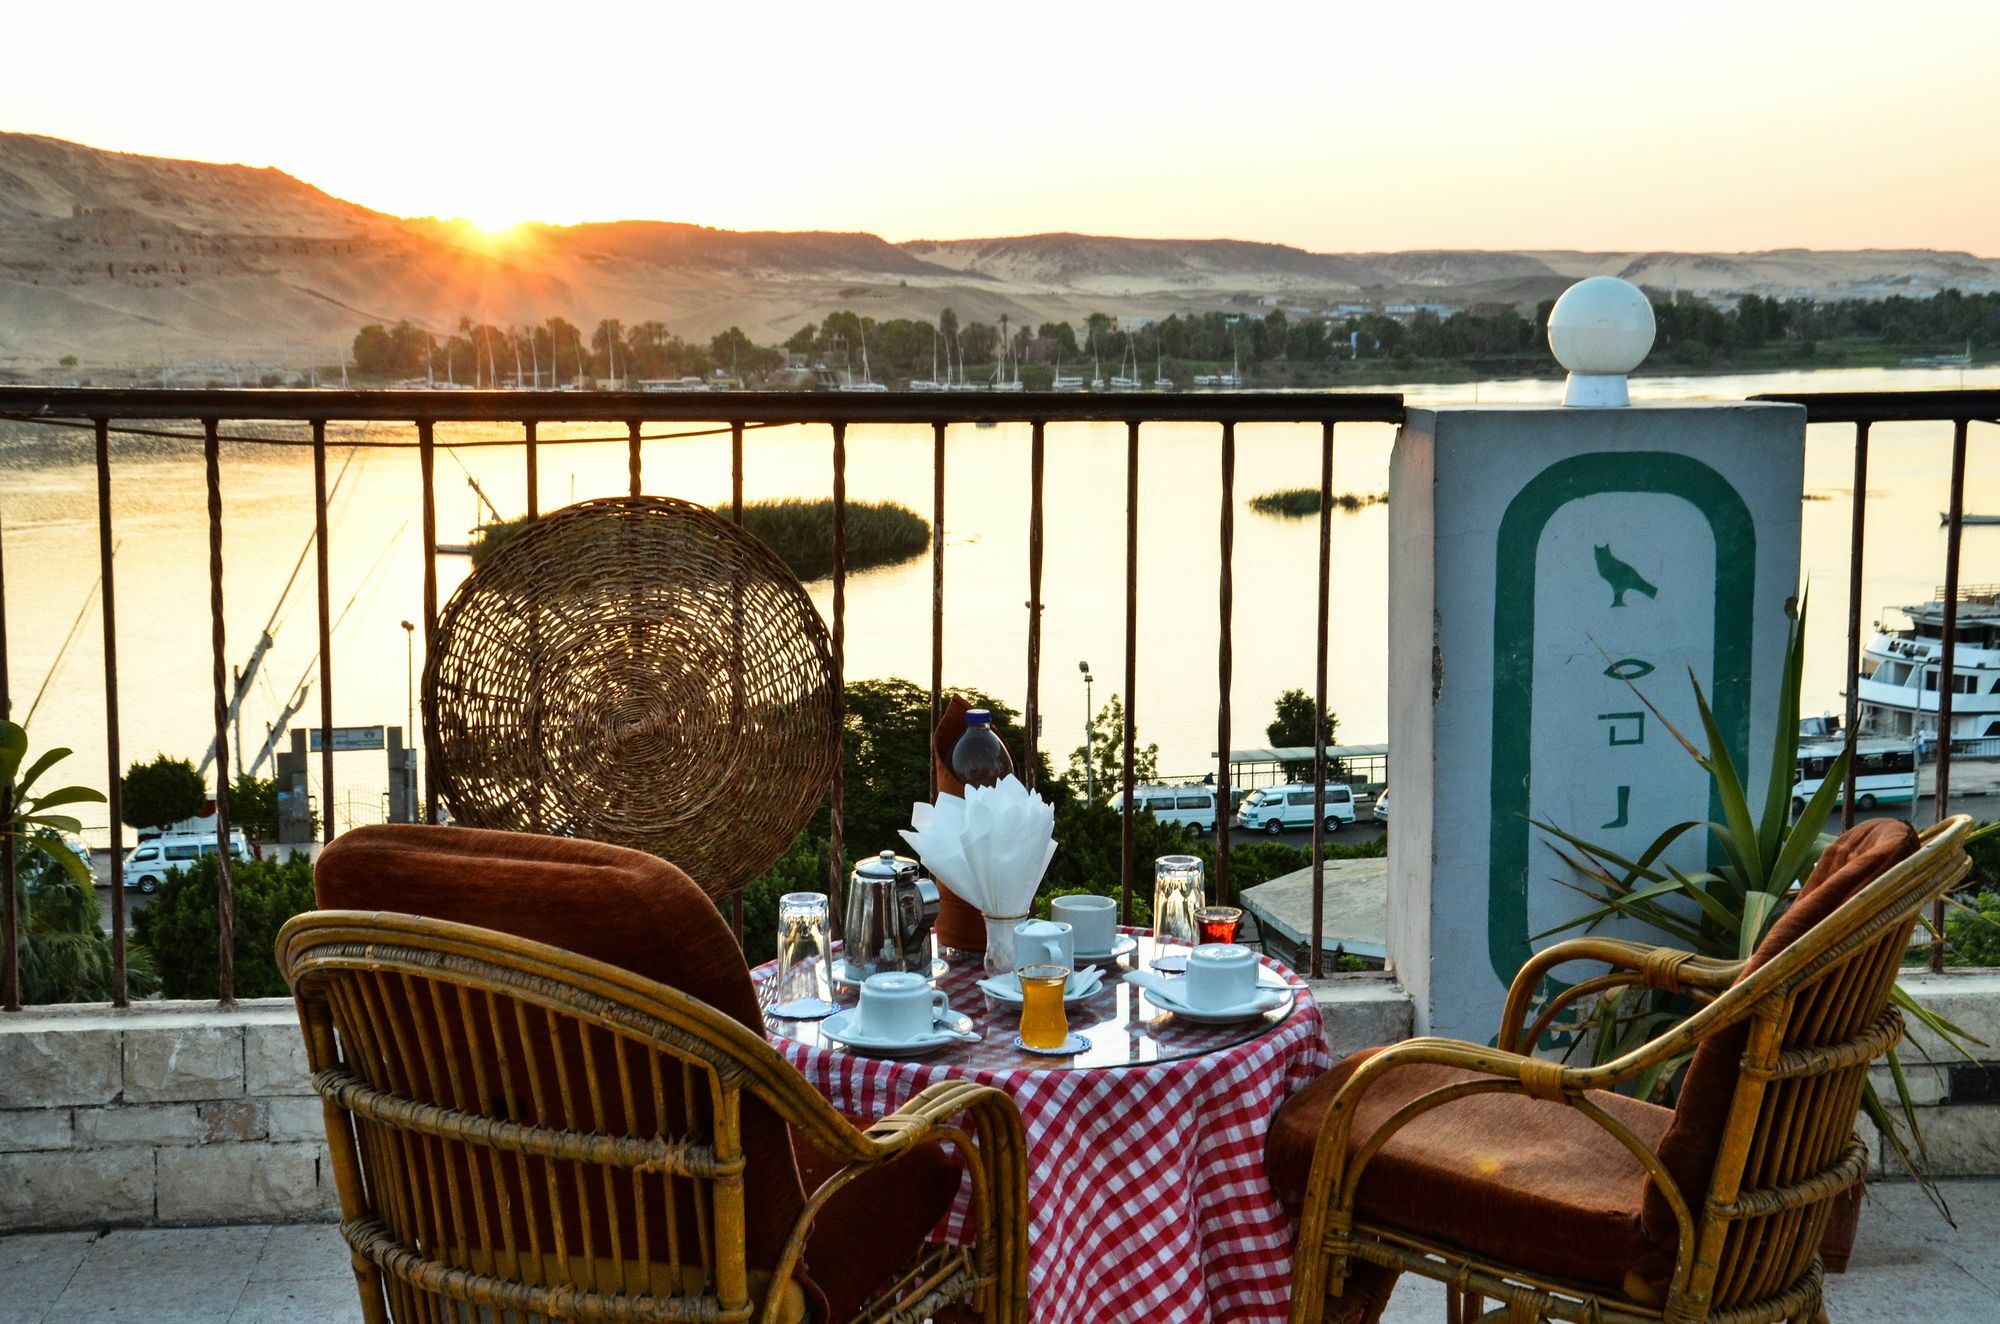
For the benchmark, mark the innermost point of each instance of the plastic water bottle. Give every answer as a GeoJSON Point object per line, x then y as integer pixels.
{"type": "Point", "coordinates": [980, 757]}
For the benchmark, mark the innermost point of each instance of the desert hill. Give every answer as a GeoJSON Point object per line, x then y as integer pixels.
{"type": "Point", "coordinates": [181, 268]}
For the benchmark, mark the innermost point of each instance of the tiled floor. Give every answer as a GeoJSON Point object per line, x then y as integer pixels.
{"type": "Point", "coordinates": [1908, 1266]}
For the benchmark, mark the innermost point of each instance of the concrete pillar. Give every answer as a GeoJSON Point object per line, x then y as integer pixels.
{"type": "Point", "coordinates": [1541, 558]}
{"type": "Point", "coordinates": [402, 779]}
{"type": "Point", "coordinates": [295, 825]}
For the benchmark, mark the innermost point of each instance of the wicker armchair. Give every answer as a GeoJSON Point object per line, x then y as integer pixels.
{"type": "Point", "coordinates": [519, 1131]}
{"type": "Point", "coordinates": [1515, 1178]}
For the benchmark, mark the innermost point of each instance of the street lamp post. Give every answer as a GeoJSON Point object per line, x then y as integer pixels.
{"type": "Point", "coordinates": [410, 677]}
{"type": "Point", "coordinates": [1089, 751]}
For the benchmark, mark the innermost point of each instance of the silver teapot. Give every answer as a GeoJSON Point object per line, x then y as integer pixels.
{"type": "Point", "coordinates": [888, 924]}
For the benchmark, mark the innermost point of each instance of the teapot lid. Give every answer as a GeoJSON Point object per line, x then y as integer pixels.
{"type": "Point", "coordinates": [886, 865]}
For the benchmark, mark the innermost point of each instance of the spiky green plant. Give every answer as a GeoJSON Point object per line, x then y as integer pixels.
{"type": "Point", "coordinates": [1726, 910]}
{"type": "Point", "coordinates": [64, 956]}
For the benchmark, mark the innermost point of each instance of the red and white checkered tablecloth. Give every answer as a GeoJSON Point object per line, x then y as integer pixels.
{"type": "Point", "coordinates": [1146, 1189]}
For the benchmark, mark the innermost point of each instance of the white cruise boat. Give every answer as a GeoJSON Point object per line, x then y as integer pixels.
{"type": "Point", "coordinates": [1898, 685]}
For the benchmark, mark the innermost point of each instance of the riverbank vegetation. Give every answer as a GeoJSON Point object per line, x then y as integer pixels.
{"type": "Point", "coordinates": [1263, 346]}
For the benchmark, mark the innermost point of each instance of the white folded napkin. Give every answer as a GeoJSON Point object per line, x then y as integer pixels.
{"type": "Point", "coordinates": [990, 846]}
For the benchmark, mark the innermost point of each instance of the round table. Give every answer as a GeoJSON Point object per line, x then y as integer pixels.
{"type": "Point", "coordinates": [1147, 1197]}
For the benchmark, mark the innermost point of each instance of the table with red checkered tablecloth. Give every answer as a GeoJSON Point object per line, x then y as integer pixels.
{"type": "Point", "coordinates": [1147, 1197]}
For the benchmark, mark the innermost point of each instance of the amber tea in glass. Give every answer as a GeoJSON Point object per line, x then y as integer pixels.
{"type": "Point", "coordinates": [1044, 1024]}
{"type": "Point", "coordinates": [1218, 923]}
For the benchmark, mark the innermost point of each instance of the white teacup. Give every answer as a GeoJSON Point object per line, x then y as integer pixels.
{"type": "Point", "coordinates": [898, 1006]}
{"type": "Point", "coordinates": [1093, 921]}
{"type": "Point", "coordinates": [1220, 975]}
{"type": "Point", "coordinates": [1044, 942]}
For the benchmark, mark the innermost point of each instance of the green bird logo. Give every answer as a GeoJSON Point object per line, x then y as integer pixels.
{"type": "Point", "coordinates": [1622, 578]}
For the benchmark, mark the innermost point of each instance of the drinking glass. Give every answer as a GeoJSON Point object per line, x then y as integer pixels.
{"type": "Point", "coordinates": [1218, 923]}
{"type": "Point", "coordinates": [1177, 897]}
{"type": "Point", "coordinates": [803, 984]}
{"type": "Point", "coordinates": [1044, 1023]}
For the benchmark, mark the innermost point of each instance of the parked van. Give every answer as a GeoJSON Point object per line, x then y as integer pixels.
{"type": "Point", "coordinates": [148, 864]}
{"type": "Point", "coordinates": [1274, 809]}
{"type": "Point", "coordinates": [1184, 806]}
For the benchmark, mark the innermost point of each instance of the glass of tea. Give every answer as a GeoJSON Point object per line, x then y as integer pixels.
{"type": "Point", "coordinates": [1217, 923]}
{"type": "Point", "coordinates": [1044, 1024]}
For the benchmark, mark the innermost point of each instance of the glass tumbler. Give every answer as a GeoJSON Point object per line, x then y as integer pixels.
{"type": "Point", "coordinates": [802, 987]}
{"type": "Point", "coordinates": [1178, 897]}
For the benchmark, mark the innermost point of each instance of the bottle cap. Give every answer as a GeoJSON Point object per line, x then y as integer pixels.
{"type": "Point", "coordinates": [978, 717]}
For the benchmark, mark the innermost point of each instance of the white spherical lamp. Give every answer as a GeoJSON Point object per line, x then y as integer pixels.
{"type": "Point", "coordinates": [1600, 330]}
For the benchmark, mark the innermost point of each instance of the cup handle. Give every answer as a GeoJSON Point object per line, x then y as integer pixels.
{"type": "Point", "coordinates": [940, 1004]}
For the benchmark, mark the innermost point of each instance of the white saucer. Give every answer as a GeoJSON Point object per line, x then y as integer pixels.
{"type": "Point", "coordinates": [1266, 999]}
{"type": "Point", "coordinates": [1007, 988]}
{"type": "Point", "coordinates": [1071, 1046]}
{"type": "Point", "coordinates": [840, 1027]}
{"type": "Point", "coordinates": [842, 978]}
{"type": "Point", "coordinates": [1123, 945]}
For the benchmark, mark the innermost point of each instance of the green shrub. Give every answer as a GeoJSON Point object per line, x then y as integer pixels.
{"type": "Point", "coordinates": [1972, 930]}
{"type": "Point", "coordinates": [65, 956]}
{"type": "Point", "coordinates": [179, 928]}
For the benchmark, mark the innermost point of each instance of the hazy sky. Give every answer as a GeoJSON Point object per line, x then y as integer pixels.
{"type": "Point", "coordinates": [1752, 124]}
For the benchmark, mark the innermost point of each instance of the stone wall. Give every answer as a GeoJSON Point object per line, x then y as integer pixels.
{"type": "Point", "coordinates": [1958, 1101]}
{"type": "Point", "coordinates": [180, 1112]}
{"type": "Point", "coordinates": [172, 1112]}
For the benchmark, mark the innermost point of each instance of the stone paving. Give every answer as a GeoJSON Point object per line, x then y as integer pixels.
{"type": "Point", "coordinates": [1908, 1265]}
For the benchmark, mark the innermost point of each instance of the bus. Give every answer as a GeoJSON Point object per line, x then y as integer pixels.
{"type": "Point", "coordinates": [1885, 772]}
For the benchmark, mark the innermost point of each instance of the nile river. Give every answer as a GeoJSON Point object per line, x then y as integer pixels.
{"type": "Point", "coordinates": [48, 504]}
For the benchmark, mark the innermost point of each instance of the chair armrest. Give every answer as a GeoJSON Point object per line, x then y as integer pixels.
{"type": "Point", "coordinates": [922, 1118]}
{"type": "Point", "coordinates": [995, 1156]}
{"type": "Point", "coordinates": [1667, 968]}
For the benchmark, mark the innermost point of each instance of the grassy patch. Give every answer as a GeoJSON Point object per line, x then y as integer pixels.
{"type": "Point", "coordinates": [1298, 502]}
{"type": "Point", "coordinates": [800, 532]}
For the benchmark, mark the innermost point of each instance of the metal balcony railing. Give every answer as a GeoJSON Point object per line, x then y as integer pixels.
{"type": "Point", "coordinates": [218, 419]}
{"type": "Point", "coordinates": [223, 418]}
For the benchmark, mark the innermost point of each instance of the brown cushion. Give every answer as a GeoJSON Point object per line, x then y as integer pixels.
{"type": "Point", "coordinates": [1857, 858]}
{"type": "Point", "coordinates": [874, 1223]}
{"type": "Point", "coordinates": [1519, 1180]}
{"type": "Point", "coordinates": [614, 905]}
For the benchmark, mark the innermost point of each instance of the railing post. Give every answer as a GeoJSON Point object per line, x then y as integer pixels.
{"type": "Point", "coordinates": [225, 899]}
{"type": "Point", "coordinates": [937, 587]}
{"type": "Point", "coordinates": [1947, 660]}
{"type": "Point", "coordinates": [534, 476]}
{"type": "Point", "coordinates": [10, 916]}
{"type": "Point", "coordinates": [1852, 718]}
{"type": "Point", "coordinates": [1031, 716]}
{"type": "Point", "coordinates": [1316, 966]}
{"type": "Point", "coordinates": [1126, 845]}
{"type": "Point", "coordinates": [1224, 665]}
{"type": "Point", "coordinates": [320, 564]}
{"type": "Point", "coordinates": [427, 464]}
{"type": "Point", "coordinates": [114, 791]}
{"type": "Point", "coordinates": [736, 681]}
{"type": "Point", "coordinates": [632, 453]}
{"type": "Point", "coordinates": [836, 863]}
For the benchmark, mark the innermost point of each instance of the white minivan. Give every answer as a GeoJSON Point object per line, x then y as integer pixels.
{"type": "Point", "coordinates": [148, 864]}
{"type": "Point", "coordinates": [1184, 806]}
{"type": "Point", "coordinates": [1274, 809]}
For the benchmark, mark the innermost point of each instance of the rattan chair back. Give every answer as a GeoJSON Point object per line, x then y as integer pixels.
{"type": "Point", "coordinates": [639, 671]}
{"type": "Point", "coordinates": [519, 1132]}
{"type": "Point", "coordinates": [1819, 1013]}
